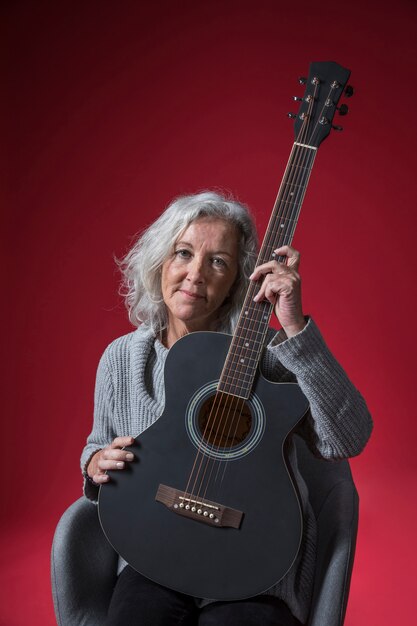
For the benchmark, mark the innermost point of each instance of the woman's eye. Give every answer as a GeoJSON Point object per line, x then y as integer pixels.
{"type": "Point", "coordinates": [219, 262]}
{"type": "Point", "coordinates": [183, 254]}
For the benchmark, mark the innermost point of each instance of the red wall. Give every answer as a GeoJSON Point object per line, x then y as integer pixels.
{"type": "Point", "coordinates": [111, 109]}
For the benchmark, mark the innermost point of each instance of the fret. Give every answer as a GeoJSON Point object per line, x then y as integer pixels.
{"type": "Point", "coordinates": [239, 373]}
{"type": "Point", "coordinates": [249, 326]}
{"type": "Point", "coordinates": [267, 252]}
{"type": "Point", "coordinates": [237, 370]}
{"type": "Point", "coordinates": [240, 356]}
{"type": "Point", "coordinates": [257, 320]}
{"type": "Point", "coordinates": [290, 203]}
{"type": "Point", "coordinates": [245, 338]}
{"type": "Point", "coordinates": [292, 185]}
{"type": "Point", "coordinates": [244, 356]}
{"type": "Point", "coordinates": [238, 393]}
{"type": "Point", "coordinates": [246, 347]}
{"type": "Point", "coordinates": [238, 378]}
{"type": "Point", "coordinates": [303, 170]}
{"type": "Point", "coordinates": [246, 342]}
{"type": "Point", "coordinates": [234, 381]}
{"type": "Point", "coordinates": [249, 338]}
{"type": "Point", "coordinates": [299, 167]}
{"type": "Point", "coordinates": [235, 390]}
{"type": "Point", "coordinates": [240, 360]}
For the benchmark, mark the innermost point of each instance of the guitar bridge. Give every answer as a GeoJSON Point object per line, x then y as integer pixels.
{"type": "Point", "coordinates": [199, 509]}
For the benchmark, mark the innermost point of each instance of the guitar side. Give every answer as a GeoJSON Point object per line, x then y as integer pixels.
{"type": "Point", "coordinates": [223, 563]}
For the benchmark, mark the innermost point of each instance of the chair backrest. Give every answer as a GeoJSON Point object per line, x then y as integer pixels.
{"type": "Point", "coordinates": [320, 475]}
{"type": "Point", "coordinates": [335, 502]}
{"type": "Point", "coordinates": [84, 565]}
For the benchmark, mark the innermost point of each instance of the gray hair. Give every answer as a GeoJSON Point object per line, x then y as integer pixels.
{"type": "Point", "coordinates": [142, 265]}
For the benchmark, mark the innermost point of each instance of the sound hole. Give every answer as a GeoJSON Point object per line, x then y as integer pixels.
{"type": "Point", "coordinates": [224, 421]}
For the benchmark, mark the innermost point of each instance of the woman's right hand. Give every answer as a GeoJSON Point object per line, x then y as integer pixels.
{"type": "Point", "coordinates": [112, 457]}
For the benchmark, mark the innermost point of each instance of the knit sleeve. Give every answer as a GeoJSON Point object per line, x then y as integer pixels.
{"type": "Point", "coordinates": [103, 431]}
{"type": "Point", "coordinates": [338, 424]}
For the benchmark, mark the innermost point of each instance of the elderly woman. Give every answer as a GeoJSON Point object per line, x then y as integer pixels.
{"type": "Point", "coordinates": [189, 271]}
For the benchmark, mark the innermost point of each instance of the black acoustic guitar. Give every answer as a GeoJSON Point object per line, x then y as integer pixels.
{"type": "Point", "coordinates": [209, 507]}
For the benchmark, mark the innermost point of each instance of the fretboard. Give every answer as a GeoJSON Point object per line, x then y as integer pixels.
{"type": "Point", "coordinates": [249, 338]}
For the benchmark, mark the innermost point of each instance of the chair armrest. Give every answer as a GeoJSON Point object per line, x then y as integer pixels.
{"type": "Point", "coordinates": [83, 567]}
{"type": "Point", "coordinates": [336, 541]}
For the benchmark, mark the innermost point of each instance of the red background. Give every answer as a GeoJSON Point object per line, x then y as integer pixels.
{"type": "Point", "coordinates": [111, 109]}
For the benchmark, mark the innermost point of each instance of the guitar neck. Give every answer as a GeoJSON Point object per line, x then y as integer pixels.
{"type": "Point", "coordinates": [324, 88]}
{"type": "Point", "coordinates": [249, 337]}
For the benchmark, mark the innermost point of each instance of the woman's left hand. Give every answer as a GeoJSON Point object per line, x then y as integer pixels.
{"type": "Point", "coordinates": [282, 287]}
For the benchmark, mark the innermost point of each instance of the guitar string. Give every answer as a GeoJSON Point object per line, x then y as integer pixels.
{"type": "Point", "coordinates": [231, 404]}
{"type": "Point", "coordinates": [189, 492]}
{"type": "Point", "coordinates": [312, 136]}
{"type": "Point", "coordinates": [238, 413]}
{"type": "Point", "coordinates": [224, 405]}
{"type": "Point", "coordinates": [285, 215]}
{"type": "Point", "coordinates": [291, 224]}
{"type": "Point", "coordinates": [215, 411]}
{"type": "Point", "coordinates": [293, 221]}
{"type": "Point", "coordinates": [236, 406]}
{"type": "Point", "coordinates": [286, 210]}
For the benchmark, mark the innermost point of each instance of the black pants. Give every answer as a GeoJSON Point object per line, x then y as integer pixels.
{"type": "Point", "coordinates": [138, 601]}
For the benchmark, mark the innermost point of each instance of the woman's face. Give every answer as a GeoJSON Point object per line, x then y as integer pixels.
{"type": "Point", "coordinates": [198, 275]}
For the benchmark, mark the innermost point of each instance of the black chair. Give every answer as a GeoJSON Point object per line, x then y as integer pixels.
{"type": "Point", "coordinates": [83, 564]}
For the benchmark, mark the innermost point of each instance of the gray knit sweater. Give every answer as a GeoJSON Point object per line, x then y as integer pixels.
{"type": "Point", "coordinates": [129, 397]}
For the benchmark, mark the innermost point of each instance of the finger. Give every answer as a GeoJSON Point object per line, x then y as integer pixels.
{"type": "Point", "coordinates": [292, 255]}
{"type": "Point", "coordinates": [261, 293]}
{"type": "Point", "coordinates": [284, 281]}
{"type": "Point", "coordinates": [109, 464]}
{"type": "Point", "coordinates": [271, 284]}
{"type": "Point", "coordinates": [271, 293]}
{"type": "Point", "coordinates": [121, 442]}
{"type": "Point", "coordinates": [267, 268]}
{"type": "Point", "coordinates": [115, 454]}
{"type": "Point", "coordinates": [101, 478]}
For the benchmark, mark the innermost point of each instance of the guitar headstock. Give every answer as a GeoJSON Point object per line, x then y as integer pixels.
{"type": "Point", "coordinates": [325, 85]}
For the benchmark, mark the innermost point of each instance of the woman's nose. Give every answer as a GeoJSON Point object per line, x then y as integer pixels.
{"type": "Point", "coordinates": [196, 271]}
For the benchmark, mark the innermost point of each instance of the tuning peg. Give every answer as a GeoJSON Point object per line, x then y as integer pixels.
{"type": "Point", "coordinates": [297, 99]}
{"type": "Point", "coordinates": [292, 115]}
{"type": "Point", "coordinates": [343, 109]}
{"type": "Point", "coordinates": [338, 128]}
{"type": "Point", "coordinates": [302, 80]}
{"type": "Point", "coordinates": [349, 91]}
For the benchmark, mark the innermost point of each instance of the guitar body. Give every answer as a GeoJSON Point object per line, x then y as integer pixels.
{"type": "Point", "coordinates": [250, 475]}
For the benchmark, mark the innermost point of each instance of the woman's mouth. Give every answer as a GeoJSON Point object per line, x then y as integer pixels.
{"type": "Point", "coordinates": [191, 295]}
